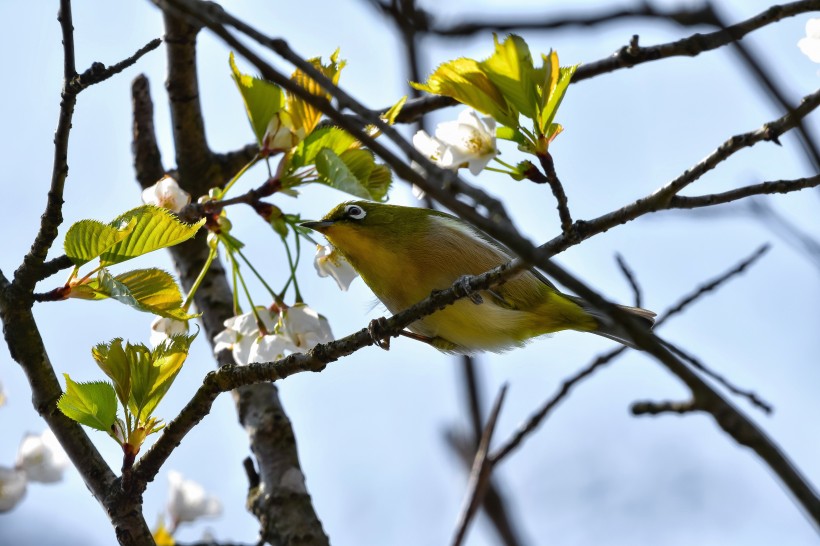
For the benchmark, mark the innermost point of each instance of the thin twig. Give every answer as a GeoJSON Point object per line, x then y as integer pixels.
{"type": "Point", "coordinates": [752, 397]}
{"type": "Point", "coordinates": [627, 56]}
{"type": "Point", "coordinates": [763, 188]}
{"type": "Point", "coordinates": [98, 72]}
{"type": "Point", "coordinates": [535, 420]}
{"type": "Point", "coordinates": [656, 408]}
{"type": "Point", "coordinates": [630, 278]}
{"type": "Point", "coordinates": [480, 473]}
{"type": "Point", "coordinates": [557, 190]}
{"type": "Point", "coordinates": [711, 285]}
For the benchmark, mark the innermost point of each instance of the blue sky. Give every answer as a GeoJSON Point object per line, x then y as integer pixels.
{"type": "Point", "coordinates": [370, 427]}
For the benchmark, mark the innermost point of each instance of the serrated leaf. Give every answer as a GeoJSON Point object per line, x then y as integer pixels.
{"type": "Point", "coordinates": [143, 375]}
{"type": "Point", "coordinates": [510, 68]}
{"type": "Point", "coordinates": [354, 172]}
{"type": "Point", "coordinates": [304, 115]}
{"type": "Point", "coordinates": [156, 291]}
{"type": "Point", "coordinates": [91, 404]}
{"type": "Point", "coordinates": [557, 81]}
{"type": "Point", "coordinates": [263, 99]}
{"type": "Point", "coordinates": [375, 178]}
{"type": "Point", "coordinates": [153, 372]}
{"type": "Point", "coordinates": [148, 290]}
{"type": "Point", "coordinates": [87, 239]}
{"type": "Point", "coordinates": [155, 228]}
{"type": "Point", "coordinates": [112, 360]}
{"type": "Point", "coordinates": [333, 138]}
{"type": "Point", "coordinates": [464, 80]}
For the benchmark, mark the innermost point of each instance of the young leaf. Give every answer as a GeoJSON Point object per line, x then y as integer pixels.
{"type": "Point", "coordinates": [392, 113]}
{"type": "Point", "coordinates": [91, 404]}
{"type": "Point", "coordinates": [262, 98]}
{"type": "Point", "coordinates": [334, 138]}
{"type": "Point", "coordinates": [87, 239]}
{"type": "Point", "coordinates": [148, 290]}
{"type": "Point", "coordinates": [153, 372]}
{"type": "Point", "coordinates": [143, 375]}
{"type": "Point", "coordinates": [465, 80]}
{"type": "Point", "coordinates": [510, 69]}
{"type": "Point", "coordinates": [155, 291]}
{"type": "Point", "coordinates": [112, 360]}
{"type": "Point", "coordinates": [553, 94]}
{"type": "Point", "coordinates": [154, 228]}
{"type": "Point", "coordinates": [374, 177]}
{"type": "Point", "coordinates": [304, 115]}
{"type": "Point", "coordinates": [344, 172]}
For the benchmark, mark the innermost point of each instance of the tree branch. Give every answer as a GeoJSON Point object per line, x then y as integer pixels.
{"type": "Point", "coordinates": [480, 473]}
{"type": "Point", "coordinates": [285, 511]}
{"type": "Point", "coordinates": [763, 188]}
{"type": "Point", "coordinates": [629, 56]}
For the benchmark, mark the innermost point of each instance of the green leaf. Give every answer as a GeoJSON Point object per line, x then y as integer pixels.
{"type": "Point", "coordinates": [554, 90]}
{"type": "Point", "coordinates": [154, 228]}
{"type": "Point", "coordinates": [87, 239]}
{"type": "Point", "coordinates": [354, 172]}
{"type": "Point", "coordinates": [111, 359]}
{"type": "Point", "coordinates": [508, 133]}
{"type": "Point", "coordinates": [510, 68]}
{"type": "Point", "coordinates": [263, 99]}
{"type": "Point", "coordinates": [305, 115]}
{"type": "Point", "coordinates": [155, 291]}
{"type": "Point", "coordinates": [465, 80]}
{"type": "Point", "coordinates": [392, 113]}
{"type": "Point", "coordinates": [148, 290]}
{"type": "Point", "coordinates": [91, 404]}
{"type": "Point", "coordinates": [143, 376]}
{"type": "Point", "coordinates": [333, 138]}
{"type": "Point", "coordinates": [153, 372]}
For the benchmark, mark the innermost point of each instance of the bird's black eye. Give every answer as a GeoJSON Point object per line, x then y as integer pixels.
{"type": "Point", "coordinates": [355, 211]}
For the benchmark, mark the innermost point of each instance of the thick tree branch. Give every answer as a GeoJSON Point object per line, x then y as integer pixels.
{"type": "Point", "coordinates": [144, 147]}
{"type": "Point", "coordinates": [23, 337]}
{"type": "Point", "coordinates": [285, 511]}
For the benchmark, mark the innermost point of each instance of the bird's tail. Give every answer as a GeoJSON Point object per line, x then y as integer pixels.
{"type": "Point", "coordinates": [612, 330]}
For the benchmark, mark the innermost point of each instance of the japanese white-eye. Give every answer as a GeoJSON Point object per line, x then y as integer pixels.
{"type": "Point", "coordinates": [404, 253]}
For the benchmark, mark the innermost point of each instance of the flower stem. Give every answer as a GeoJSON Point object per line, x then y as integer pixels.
{"type": "Point", "coordinates": [190, 297]}
{"type": "Point", "coordinates": [238, 175]}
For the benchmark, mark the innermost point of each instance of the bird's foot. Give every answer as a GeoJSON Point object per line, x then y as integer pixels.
{"type": "Point", "coordinates": [462, 288]}
{"type": "Point", "coordinates": [376, 330]}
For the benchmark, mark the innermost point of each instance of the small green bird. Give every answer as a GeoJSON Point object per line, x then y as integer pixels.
{"type": "Point", "coordinates": [404, 253]}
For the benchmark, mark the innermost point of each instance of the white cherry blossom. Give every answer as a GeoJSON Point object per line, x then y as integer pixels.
{"type": "Point", "coordinates": [13, 484]}
{"type": "Point", "coordinates": [188, 501]}
{"type": "Point", "coordinates": [42, 458]}
{"type": "Point", "coordinates": [329, 263]}
{"type": "Point", "coordinates": [167, 194]}
{"type": "Point", "coordinates": [304, 327]}
{"type": "Point", "coordinates": [810, 45]}
{"type": "Point", "coordinates": [469, 141]}
{"type": "Point", "coordinates": [163, 328]}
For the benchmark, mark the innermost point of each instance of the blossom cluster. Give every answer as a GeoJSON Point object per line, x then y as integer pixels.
{"type": "Point", "coordinates": [40, 458]}
{"type": "Point", "coordinates": [266, 335]}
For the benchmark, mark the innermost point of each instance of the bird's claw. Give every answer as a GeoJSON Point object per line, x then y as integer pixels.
{"type": "Point", "coordinates": [376, 330]}
{"type": "Point", "coordinates": [462, 288]}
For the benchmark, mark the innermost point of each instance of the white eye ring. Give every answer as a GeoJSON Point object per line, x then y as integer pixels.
{"type": "Point", "coordinates": [355, 211]}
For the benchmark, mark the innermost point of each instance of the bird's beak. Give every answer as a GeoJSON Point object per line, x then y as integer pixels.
{"type": "Point", "coordinates": [319, 226]}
